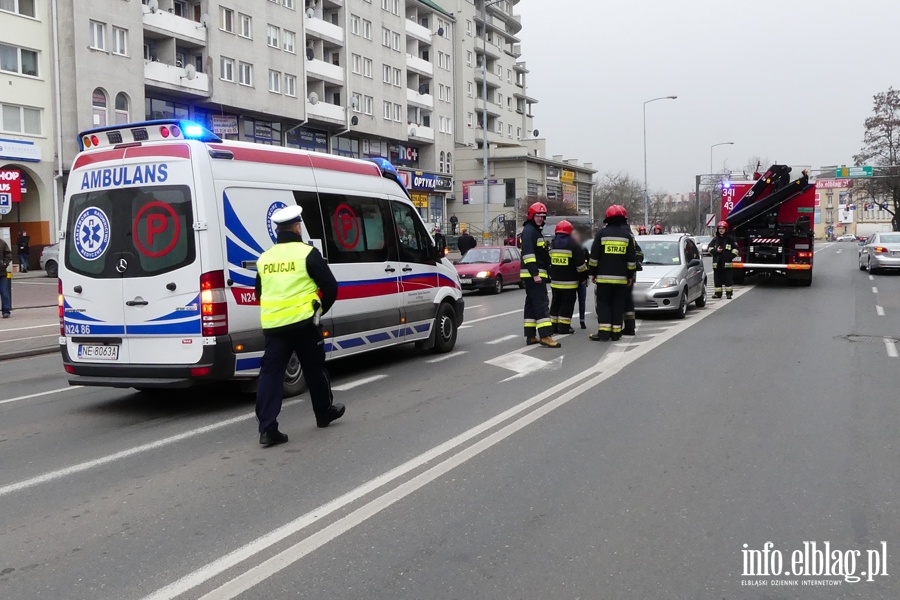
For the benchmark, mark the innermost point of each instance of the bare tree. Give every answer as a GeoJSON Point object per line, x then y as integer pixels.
{"type": "Point", "coordinates": [881, 148]}
{"type": "Point", "coordinates": [619, 188]}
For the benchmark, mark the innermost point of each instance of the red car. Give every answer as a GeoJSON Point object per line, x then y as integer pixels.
{"type": "Point", "coordinates": [489, 268]}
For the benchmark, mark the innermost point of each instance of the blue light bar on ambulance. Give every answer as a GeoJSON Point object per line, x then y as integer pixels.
{"type": "Point", "coordinates": [390, 172]}
{"type": "Point", "coordinates": [144, 131]}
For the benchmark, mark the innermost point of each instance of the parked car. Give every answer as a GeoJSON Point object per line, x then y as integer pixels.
{"type": "Point", "coordinates": [847, 237]}
{"type": "Point", "coordinates": [672, 277]}
{"type": "Point", "coordinates": [50, 260]}
{"type": "Point", "coordinates": [702, 242]}
{"type": "Point", "coordinates": [490, 268]}
{"type": "Point", "coordinates": [881, 251]}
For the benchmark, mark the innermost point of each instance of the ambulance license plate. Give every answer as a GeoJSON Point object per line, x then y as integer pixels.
{"type": "Point", "coordinates": [97, 352]}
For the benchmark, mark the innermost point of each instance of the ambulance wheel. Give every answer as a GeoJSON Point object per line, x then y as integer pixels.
{"type": "Point", "coordinates": [445, 329]}
{"type": "Point", "coordinates": [682, 306]}
{"type": "Point", "coordinates": [294, 383]}
{"type": "Point", "coordinates": [498, 285]}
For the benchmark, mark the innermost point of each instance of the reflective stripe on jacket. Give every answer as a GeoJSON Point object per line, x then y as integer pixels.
{"type": "Point", "coordinates": [613, 255]}
{"type": "Point", "coordinates": [535, 255]}
{"type": "Point", "coordinates": [288, 290]}
{"type": "Point", "coordinates": [567, 268]}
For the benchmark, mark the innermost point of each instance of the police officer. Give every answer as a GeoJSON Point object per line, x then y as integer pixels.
{"type": "Point", "coordinates": [290, 276]}
{"type": "Point", "coordinates": [535, 262]}
{"type": "Point", "coordinates": [612, 265]}
{"type": "Point", "coordinates": [724, 251]}
{"type": "Point", "coordinates": [567, 271]}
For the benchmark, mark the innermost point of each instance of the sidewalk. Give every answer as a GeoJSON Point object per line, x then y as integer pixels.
{"type": "Point", "coordinates": [33, 327]}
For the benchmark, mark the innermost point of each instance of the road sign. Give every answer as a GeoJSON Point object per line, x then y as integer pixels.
{"type": "Point", "coordinates": [500, 219]}
{"type": "Point", "coordinates": [853, 172]}
{"type": "Point", "coordinates": [5, 203]}
{"type": "Point", "coordinates": [710, 219]}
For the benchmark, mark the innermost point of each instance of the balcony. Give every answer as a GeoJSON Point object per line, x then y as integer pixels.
{"type": "Point", "coordinates": [493, 80]}
{"type": "Point", "coordinates": [489, 48]}
{"type": "Point", "coordinates": [414, 98]}
{"type": "Point", "coordinates": [323, 30]}
{"type": "Point", "coordinates": [319, 69]}
{"type": "Point", "coordinates": [167, 24]}
{"type": "Point", "coordinates": [421, 134]}
{"type": "Point", "coordinates": [330, 113]}
{"type": "Point", "coordinates": [416, 31]}
{"type": "Point", "coordinates": [495, 110]}
{"type": "Point", "coordinates": [419, 65]}
{"type": "Point", "coordinates": [174, 78]}
{"type": "Point", "coordinates": [493, 137]}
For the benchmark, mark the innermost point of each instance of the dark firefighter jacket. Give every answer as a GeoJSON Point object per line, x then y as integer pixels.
{"type": "Point", "coordinates": [535, 253]}
{"type": "Point", "coordinates": [567, 268]}
{"type": "Point", "coordinates": [729, 249]}
{"type": "Point", "coordinates": [613, 255]}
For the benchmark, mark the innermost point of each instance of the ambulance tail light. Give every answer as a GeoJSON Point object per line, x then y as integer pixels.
{"type": "Point", "coordinates": [213, 304]}
{"type": "Point", "coordinates": [60, 303]}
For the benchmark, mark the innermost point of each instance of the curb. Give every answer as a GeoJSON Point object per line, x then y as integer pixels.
{"type": "Point", "coordinates": [30, 352]}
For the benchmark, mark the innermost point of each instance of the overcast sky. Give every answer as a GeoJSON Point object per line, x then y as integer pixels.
{"type": "Point", "coordinates": [787, 80]}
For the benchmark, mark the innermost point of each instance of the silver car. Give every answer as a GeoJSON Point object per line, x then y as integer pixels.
{"type": "Point", "coordinates": [50, 260]}
{"type": "Point", "coordinates": [672, 277]}
{"type": "Point", "coordinates": [881, 251]}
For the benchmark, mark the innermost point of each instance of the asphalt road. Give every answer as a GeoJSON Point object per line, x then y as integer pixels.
{"type": "Point", "coordinates": [635, 470]}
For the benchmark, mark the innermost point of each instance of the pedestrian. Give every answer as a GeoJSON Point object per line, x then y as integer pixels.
{"type": "Point", "coordinates": [567, 271]}
{"type": "Point", "coordinates": [23, 244]}
{"type": "Point", "coordinates": [5, 282]}
{"type": "Point", "coordinates": [724, 251]}
{"type": "Point", "coordinates": [612, 266]}
{"type": "Point", "coordinates": [535, 263]}
{"type": "Point", "coordinates": [290, 277]}
{"type": "Point", "coordinates": [454, 223]}
{"type": "Point", "coordinates": [440, 241]}
{"type": "Point", "coordinates": [465, 242]}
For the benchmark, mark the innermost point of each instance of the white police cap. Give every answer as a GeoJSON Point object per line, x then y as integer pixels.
{"type": "Point", "coordinates": [287, 215]}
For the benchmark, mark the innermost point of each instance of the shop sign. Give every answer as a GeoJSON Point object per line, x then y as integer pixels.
{"type": "Point", "coordinates": [19, 150]}
{"type": "Point", "coordinates": [224, 124]}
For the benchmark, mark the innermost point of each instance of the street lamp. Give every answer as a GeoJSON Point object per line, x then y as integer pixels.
{"type": "Point", "coordinates": [484, 117]}
{"type": "Point", "coordinates": [646, 193]}
{"type": "Point", "coordinates": [711, 153]}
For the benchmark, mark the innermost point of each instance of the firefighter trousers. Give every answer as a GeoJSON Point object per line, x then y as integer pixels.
{"type": "Point", "coordinates": [537, 310]}
{"type": "Point", "coordinates": [629, 321]}
{"type": "Point", "coordinates": [562, 305]}
{"type": "Point", "coordinates": [611, 299]}
{"type": "Point", "coordinates": [723, 279]}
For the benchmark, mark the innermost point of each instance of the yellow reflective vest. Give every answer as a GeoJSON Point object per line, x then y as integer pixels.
{"type": "Point", "coordinates": [288, 291]}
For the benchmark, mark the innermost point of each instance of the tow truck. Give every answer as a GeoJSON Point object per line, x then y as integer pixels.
{"type": "Point", "coordinates": [772, 223]}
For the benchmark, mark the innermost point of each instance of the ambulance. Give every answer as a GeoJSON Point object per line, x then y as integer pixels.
{"type": "Point", "coordinates": [163, 223]}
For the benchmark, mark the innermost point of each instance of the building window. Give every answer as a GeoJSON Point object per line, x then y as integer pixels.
{"type": "Point", "coordinates": [289, 4]}
{"type": "Point", "coordinates": [509, 130]}
{"type": "Point", "coordinates": [20, 119]}
{"type": "Point", "coordinates": [398, 113]}
{"type": "Point", "coordinates": [98, 35]}
{"type": "Point", "coordinates": [289, 39]}
{"type": "Point", "coordinates": [469, 88]}
{"type": "Point", "coordinates": [226, 69]}
{"type": "Point", "coordinates": [245, 73]}
{"type": "Point", "coordinates": [468, 59]}
{"type": "Point", "coordinates": [441, 162]}
{"type": "Point", "coordinates": [387, 110]}
{"type": "Point", "coordinates": [468, 27]}
{"type": "Point", "coordinates": [226, 19]}
{"type": "Point", "coordinates": [274, 81]}
{"type": "Point", "coordinates": [246, 26]}
{"type": "Point", "coordinates": [395, 40]}
{"type": "Point", "coordinates": [367, 68]}
{"type": "Point", "coordinates": [20, 7]}
{"type": "Point", "coordinates": [397, 74]}
{"type": "Point", "coordinates": [18, 60]}
{"type": "Point", "coordinates": [367, 29]}
{"type": "Point", "coordinates": [356, 103]}
{"type": "Point", "coordinates": [290, 85]}
{"type": "Point", "coordinates": [354, 24]}
{"type": "Point", "coordinates": [386, 73]}
{"type": "Point", "coordinates": [273, 35]}
{"type": "Point", "coordinates": [356, 63]}
{"type": "Point", "coordinates": [120, 41]}
{"type": "Point", "coordinates": [470, 119]}
{"type": "Point", "coordinates": [98, 104]}
{"type": "Point", "coordinates": [369, 105]}
{"type": "Point", "coordinates": [518, 133]}
{"type": "Point", "coordinates": [386, 37]}
{"type": "Point", "coordinates": [449, 163]}
{"type": "Point", "coordinates": [121, 108]}
{"type": "Point", "coordinates": [385, 4]}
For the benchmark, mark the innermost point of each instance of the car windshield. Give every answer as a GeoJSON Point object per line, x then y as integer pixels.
{"type": "Point", "coordinates": [660, 253]}
{"type": "Point", "coordinates": [891, 238]}
{"type": "Point", "coordinates": [481, 255]}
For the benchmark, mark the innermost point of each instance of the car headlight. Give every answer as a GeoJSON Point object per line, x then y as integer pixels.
{"type": "Point", "coordinates": [483, 274]}
{"type": "Point", "coordinates": [666, 282]}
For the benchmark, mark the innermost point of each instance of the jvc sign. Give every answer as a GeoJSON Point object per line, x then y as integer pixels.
{"type": "Point", "coordinates": [10, 189]}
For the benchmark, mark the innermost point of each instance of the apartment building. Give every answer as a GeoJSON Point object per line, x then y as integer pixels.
{"type": "Point", "coordinates": [27, 144]}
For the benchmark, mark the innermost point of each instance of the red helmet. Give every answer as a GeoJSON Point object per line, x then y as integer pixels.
{"type": "Point", "coordinates": [535, 209]}
{"type": "Point", "coordinates": [564, 227]}
{"type": "Point", "coordinates": [722, 224]}
{"type": "Point", "coordinates": [657, 228]}
{"type": "Point", "coordinates": [616, 210]}
{"type": "Point", "coordinates": [642, 229]}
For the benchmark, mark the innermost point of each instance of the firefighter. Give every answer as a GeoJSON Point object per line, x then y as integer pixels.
{"type": "Point", "coordinates": [613, 264]}
{"type": "Point", "coordinates": [657, 229]}
{"type": "Point", "coordinates": [567, 272]}
{"type": "Point", "coordinates": [642, 230]}
{"type": "Point", "coordinates": [724, 251]}
{"type": "Point", "coordinates": [535, 262]}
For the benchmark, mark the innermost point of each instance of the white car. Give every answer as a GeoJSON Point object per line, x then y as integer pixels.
{"type": "Point", "coordinates": [50, 260]}
{"type": "Point", "coordinates": [847, 237]}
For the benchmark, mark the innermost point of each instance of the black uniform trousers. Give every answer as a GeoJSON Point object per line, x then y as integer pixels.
{"type": "Point", "coordinates": [611, 298]}
{"type": "Point", "coordinates": [630, 315]}
{"type": "Point", "coordinates": [307, 342]}
{"type": "Point", "coordinates": [723, 276]}
{"type": "Point", "coordinates": [562, 305]}
{"type": "Point", "coordinates": [537, 309]}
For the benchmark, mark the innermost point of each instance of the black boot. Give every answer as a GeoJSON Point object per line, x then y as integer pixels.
{"type": "Point", "coordinates": [335, 412]}
{"type": "Point", "coordinates": [583, 325]}
{"type": "Point", "coordinates": [600, 336]}
{"type": "Point", "coordinates": [272, 437]}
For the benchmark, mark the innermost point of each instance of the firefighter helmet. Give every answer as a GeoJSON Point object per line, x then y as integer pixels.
{"type": "Point", "coordinates": [642, 230]}
{"type": "Point", "coordinates": [657, 228]}
{"type": "Point", "coordinates": [616, 210]}
{"type": "Point", "coordinates": [722, 224]}
{"type": "Point", "coordinates": [564, 227]}
{"type": "Point", "coordinates": [535, 209]}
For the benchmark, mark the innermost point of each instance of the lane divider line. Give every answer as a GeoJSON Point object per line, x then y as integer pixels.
{"type": "Point", "coordinates": [874, 290]}
{"type": "Point", "coordinates": [879, 310]}
{"type": "Point", "coordinates": [47, 393]}
{"type": "Point", "coordinates": [891, 348]}
{"type": "Point", "coordinates": [352, 384]}
{"type": "Point", "coordinates": [510, 312]}
{"type": "Point", "coordinates": [505, 338]}
{"type": "Point", "coordinates": [447, 356]}
{"type": "Point", "coordinates": [34, 337]}
{"type": "Point", "coordinates": [31, 327]}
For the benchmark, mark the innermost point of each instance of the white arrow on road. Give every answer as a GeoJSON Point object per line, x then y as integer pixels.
{"type": "Point", "coordinates": [523, 365]}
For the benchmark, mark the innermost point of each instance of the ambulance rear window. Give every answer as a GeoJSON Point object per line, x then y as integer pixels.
{"type": "Point", "coordinates": [130, 232]}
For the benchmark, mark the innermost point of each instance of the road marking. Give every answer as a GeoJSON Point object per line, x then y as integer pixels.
{"type": "Point", "coordinates": [838, 252]}
{"type": "Point", "coordinates": [871, 278]}
{"type": "Point", "coordinates": [511, 312]}
{"type": "Point", "coordinates": [464, 327]}
{"type": "Point", "coordinates": [352, 384]}
{"type": "Point", "coordinates": [58, 391]}
{"type": "Point", "coordinates": [874, 290]}
{"type": "Point", "coordinates": [447, 356]}
{"type": "Point", "coordinates": [31, 327]}
{"type": "Point", "coordinates": [879, 311]}
{"type": "Point", "coordinates": [476, 306]}
{"type": "Point", "coordinates": [505, 338]}
{"type": "Point", "coordinates": [611, 364]}
{"type": "Point", "coordinates": [524, 364]}
{"type": "Point", "coordinates": [891, 348]}
{"type": "Point", "coordinates": [34, 337]}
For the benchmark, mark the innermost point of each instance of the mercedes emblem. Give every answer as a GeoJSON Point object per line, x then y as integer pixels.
{"type": "Point", "coordinates": [122, 265]}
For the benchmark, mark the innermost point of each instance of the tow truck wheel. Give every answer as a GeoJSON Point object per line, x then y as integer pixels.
{"type": "Point", "coordinates": [682, 305]}
{"type": "Point", "coordinates": [294, 383]}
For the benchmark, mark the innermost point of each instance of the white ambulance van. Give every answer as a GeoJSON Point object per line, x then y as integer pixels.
{"type": "Point", "coordinates": [162, 226]}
